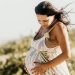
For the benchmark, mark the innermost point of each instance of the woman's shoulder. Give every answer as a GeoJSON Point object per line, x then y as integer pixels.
{"type": "Point", "coordinates": [60, 27]}
{"type": "Point", "coordinates": [60, 30]}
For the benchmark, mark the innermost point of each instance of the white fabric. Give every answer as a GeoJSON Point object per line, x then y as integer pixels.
{"type": "Point", "coordinates": [34, 55]}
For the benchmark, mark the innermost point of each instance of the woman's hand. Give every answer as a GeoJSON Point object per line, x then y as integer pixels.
{"type": "Point", "coordinates": [40, 68]}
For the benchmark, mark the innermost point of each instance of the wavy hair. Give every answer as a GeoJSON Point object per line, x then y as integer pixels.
{"type": "Point", "coordinates": [46, 8]}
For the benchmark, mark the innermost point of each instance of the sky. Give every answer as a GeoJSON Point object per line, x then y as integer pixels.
{"type": "Point", "coordinates": [18, 18]}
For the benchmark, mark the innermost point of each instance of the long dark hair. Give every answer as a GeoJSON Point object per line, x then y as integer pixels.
{"type": "Point", "coordinates": [46, 8]}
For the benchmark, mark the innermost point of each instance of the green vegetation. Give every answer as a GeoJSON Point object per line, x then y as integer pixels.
{"type": "Point", "coordinates": [12, 55]}
{"type": "Point", "coordinates": [72, 37]}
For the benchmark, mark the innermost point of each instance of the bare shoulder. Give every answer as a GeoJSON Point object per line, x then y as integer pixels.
{"type": "Point", "coordinates": [60, 28]}
{"type": "Point", "coordinates": [60, 32]}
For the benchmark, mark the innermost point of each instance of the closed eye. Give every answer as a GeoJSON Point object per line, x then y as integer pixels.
{"type": "Point", "coordinates": [45, 20]}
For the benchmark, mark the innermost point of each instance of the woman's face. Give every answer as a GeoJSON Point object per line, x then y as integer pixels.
{"type": "Point", "coordinates": [45, 20]}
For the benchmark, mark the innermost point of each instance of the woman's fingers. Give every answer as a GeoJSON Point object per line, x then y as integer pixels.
{"type": "Point", "coordinates": [35, 72]}
{"type": "Point", "coordinates": [37, 63]}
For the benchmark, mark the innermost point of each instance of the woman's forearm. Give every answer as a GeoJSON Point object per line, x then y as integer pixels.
{"type": "Point", "coordinates": [59, 59]}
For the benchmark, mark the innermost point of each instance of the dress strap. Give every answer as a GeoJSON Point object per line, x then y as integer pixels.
{"type": "Point", "coordinates": [50, 29]}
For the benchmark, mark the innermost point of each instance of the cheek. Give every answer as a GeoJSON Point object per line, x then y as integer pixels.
{"type": "Point", "coordinates": [47, 23]}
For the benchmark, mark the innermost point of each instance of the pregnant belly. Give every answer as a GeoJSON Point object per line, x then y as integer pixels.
{"type": "Point", "coordinates": [34, 55]}
{"type": "Point", "coordinates": [30, 58]}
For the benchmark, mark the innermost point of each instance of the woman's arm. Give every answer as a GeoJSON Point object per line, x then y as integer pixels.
{"type": "Point", "coordinates": [61, 34]}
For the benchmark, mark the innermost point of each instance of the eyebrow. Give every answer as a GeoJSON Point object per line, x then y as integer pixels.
{"type": "Point", "coordinates": [43, 20]}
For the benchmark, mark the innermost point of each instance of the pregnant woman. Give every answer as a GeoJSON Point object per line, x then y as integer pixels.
{"type": "Point", "coordinates": [50, 47]}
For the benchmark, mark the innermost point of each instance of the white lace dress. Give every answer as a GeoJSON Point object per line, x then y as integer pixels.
{"type": "Point", "coordinates": [39, 52]}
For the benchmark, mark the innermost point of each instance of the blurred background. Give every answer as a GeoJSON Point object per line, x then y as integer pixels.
{"type": "Point", "coordinates": [18, 25]}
